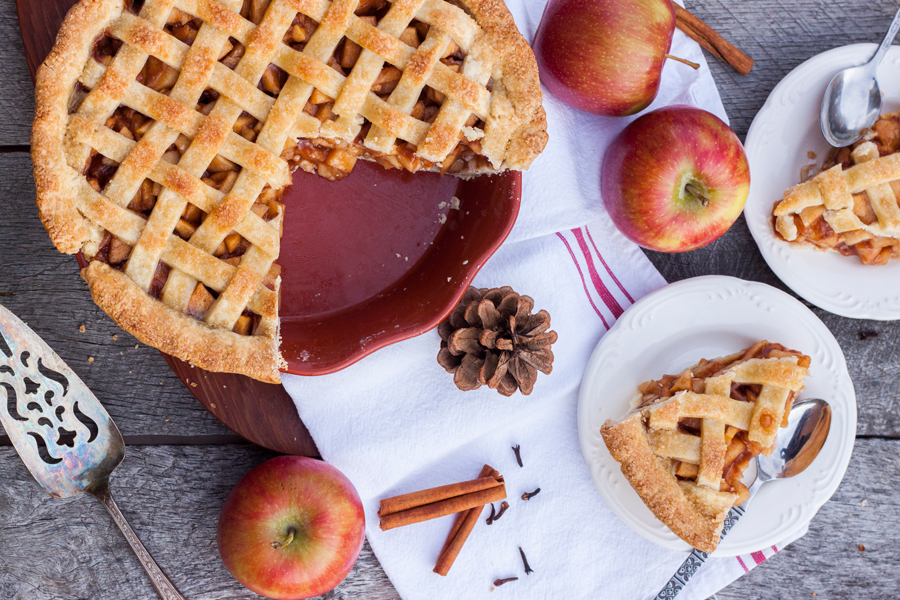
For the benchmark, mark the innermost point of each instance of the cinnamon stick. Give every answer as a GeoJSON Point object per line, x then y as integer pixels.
{"type": "Point", "coordinates": [443, 507]}
{"type": "Point", "coordinates": [421, 498]}
{"type": "Point", "coordinates": [459, 533]}
{"type": "Point", "coordinates": [714, 43]}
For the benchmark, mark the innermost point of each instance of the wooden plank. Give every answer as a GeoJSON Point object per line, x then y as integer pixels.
{"type": "Point", "coordinates": [17, 91]}
{"type": "Point", "coordinates": [141, 393]}
{"type": "Point", "coordinates": [172, 497]}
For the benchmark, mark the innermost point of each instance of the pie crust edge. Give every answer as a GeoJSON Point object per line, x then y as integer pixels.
{"type": "Point", "coordinates": [665, 499]}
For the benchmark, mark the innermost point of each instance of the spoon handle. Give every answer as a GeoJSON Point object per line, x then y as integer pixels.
{"type": "Point", "coordinates": [696, 559]}
{"type": "Point", "coordinates": [161, 583]}
{"type": "Point", "coordinates": [886, 42]}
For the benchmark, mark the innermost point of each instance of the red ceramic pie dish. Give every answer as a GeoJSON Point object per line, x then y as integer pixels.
{"type": "Point", "coordinates": [382, 256]}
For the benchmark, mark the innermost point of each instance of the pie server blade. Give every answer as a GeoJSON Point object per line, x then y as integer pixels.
{"type": "Point", "coordinates": [61, 431]}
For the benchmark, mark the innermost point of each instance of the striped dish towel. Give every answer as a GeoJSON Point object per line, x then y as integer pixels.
{"type": "Point", "coordinates": [394, 422]}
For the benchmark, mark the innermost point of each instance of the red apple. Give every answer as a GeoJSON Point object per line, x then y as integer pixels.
{"type": "Point", "coordinates": [675, 179]}
{"type": "Point", "coordinates": [291, 528]}
{"type": "Point", "coordinates": [604, 56]}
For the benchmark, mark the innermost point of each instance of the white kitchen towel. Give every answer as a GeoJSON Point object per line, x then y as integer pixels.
{"type": "Point", "coordinates": [395, 423]}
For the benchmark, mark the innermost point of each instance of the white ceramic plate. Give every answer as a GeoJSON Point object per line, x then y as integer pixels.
{"type": "Point", "coordinates": [706, 317]}
{"type": "Point", "coordinates": [784, 130]}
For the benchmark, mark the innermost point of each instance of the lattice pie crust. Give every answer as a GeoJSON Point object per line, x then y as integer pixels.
{"type": "Point", "coordinates": [686, 442]}
{"type": "Point", "coordinates": [853, 205]}
{"type": "Point", "coordinates": [165, 131]}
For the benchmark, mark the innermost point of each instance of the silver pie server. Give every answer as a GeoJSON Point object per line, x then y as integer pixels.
{"type": "Point", "coordinates": [797, 446]}
{"type": "Point", "coordinates": [852, 100]}
{"type": "Point", "coordinates": [61, 431]}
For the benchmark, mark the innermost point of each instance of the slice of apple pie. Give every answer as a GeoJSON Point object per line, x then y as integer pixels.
{"type": "Point", "coordinates": [851, 205]}
{"type": "Point", "coordinates": [689, 437]}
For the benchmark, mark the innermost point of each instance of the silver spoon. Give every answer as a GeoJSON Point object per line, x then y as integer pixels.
{"type": "Point", "coordinates": [63, 434]}
{"type": "Point", "coordinates": [852, 100]}
{"type": "Point", "coordinates": [796, 448]}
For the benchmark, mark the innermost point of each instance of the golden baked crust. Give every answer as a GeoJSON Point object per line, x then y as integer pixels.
{"type": "Point", "coordinates": [519, 79]}
{"type": "Point", "coordinates": [685, 445]}
{"type": "Point", "coordinates": [626, 441]}
{"type": "Point", "coordinates": [150, 321]}
{"type": "Point", "coordinates": [183, 254]}
{"type": "Point", "coordinates": [853, 205]}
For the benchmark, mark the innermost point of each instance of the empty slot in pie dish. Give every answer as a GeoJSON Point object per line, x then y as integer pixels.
{"type": "Point", "coordinates": [166, 132]}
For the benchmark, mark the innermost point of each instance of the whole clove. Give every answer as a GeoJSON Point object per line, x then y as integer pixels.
{"type": "Point", "coordinates": [518, 455]}
{"type": "Point", "coordinates": [867, 335]}
{"type": "Point", "coordinates": [503, 506]}
{"type": "Point", "coordinates": [11, 294]}
{"type": "Point", "coordinates": [529, 495]}
{"type": "Point", "coordinates": [499, 582]}
{"type": "Point", "coordinates": [528, 570]}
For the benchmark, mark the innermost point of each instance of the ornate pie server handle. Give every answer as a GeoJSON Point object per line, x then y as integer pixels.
{"type": "Point", "coordinates": [161, 583]}
{"type": "Point", "coordinates": [696, 559]}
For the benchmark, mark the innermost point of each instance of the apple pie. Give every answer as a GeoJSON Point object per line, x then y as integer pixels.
{"type": "Point", "coordinates": [851, 205]}
{"type": "Point", "coordinates": [689, 437]}
{"type": "Point", "coordinates": [166, 130]}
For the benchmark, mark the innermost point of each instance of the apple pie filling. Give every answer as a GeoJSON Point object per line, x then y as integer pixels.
{"type": "Point", "coordinates": [334, 159]}
{"type": "Point", "coordinates": [329, 158]}
{"type": "Point", "coordinates": [810, 224]}
{"type": "Point", "coordinates": [740, 449]}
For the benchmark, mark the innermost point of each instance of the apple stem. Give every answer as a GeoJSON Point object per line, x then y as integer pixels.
{"type": "Point", "coordinates": [693, 65]}
{"type": "Point", "coordinates": [694, 191]}
{"type": "Point", "coordinates": [291, 532]}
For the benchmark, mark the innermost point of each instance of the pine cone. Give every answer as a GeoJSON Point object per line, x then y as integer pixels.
{"type": "Point", "coordinates": [491, 338]}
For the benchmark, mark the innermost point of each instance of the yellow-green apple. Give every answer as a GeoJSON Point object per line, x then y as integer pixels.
{"type": "Point", "coordinates": [675, 179]}
{"type": "Point", "coordinates": [604, 56]}
{"type": "Point", "coordinates": [291, 528]}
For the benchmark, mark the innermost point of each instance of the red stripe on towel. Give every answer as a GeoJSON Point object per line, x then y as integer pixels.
{"type": "Point", "coordinates": [614, 307]}
{"type": "Point", "coordinates": [759, 557]}
{"type": "Point", "coordinates": [746, 570]}
{"type": "Point", "coordinates": [583, 282]}
{"type": "Point", "coordinates": [608, 270]}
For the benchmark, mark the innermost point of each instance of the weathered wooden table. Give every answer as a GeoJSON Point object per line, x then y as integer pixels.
{"type": "Point", "coordinates": [182, 462]}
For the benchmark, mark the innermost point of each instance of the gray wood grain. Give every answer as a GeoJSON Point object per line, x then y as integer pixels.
{"type": "Point", "coordinates": [70, 549]}
{"type": "Point", "coordinates": [17, 92]}
{"type": "Point", "coordinates": [172, 496]}
{"type": "Point", "coordinates": [779, 35]}
{"type": "Point", "coordinates": [133, 381]}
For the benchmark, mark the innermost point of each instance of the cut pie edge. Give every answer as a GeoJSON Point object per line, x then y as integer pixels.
{"type": "Point", "coordinates": [149, 320]}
